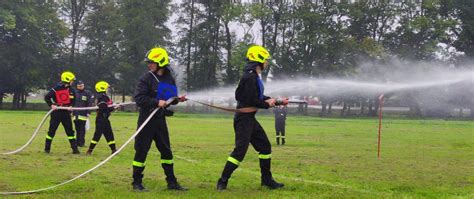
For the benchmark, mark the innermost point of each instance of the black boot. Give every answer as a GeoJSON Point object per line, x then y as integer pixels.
{"type": "Point", "coordinates": [271, 183]}
{"type": "Point", "coordinates": [282, 141]}
{"type": "Point", "coordinates": [267, 179]}
{"type": "Point", "coordinates": [265, 168]}
{"type": "Point", "coordinates": [112, 148]}
{"type": "Point", "coordinates": [229, 168]}
{"type": "Point", "coordinates": [47, 146]}
{"type": "Point", "coordinates": [171, 179]}
{"type": "Point", "coordinates": [91, 148]}
{"type": "Point", "coordinates": [137, 179]}
{"type": "Point", "coordinates": [76, 151]}
{"type": "Point", "coordinates": [73, 143]}
{"type": "Point", "coordinates": [222, 184]}
{"type": "Point", "coordinates": [139, 188]}
{"type": "Point", "coordinates": [278, 141]}
{"type": "Point", "coordinates": [174, 185]}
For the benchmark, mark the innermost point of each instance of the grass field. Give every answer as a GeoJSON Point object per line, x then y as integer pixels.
{"type": "Point", "coordinates": [323, 158]}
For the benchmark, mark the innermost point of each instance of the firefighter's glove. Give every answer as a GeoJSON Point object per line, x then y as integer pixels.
{"type": "Point", "coordinates": [281, 102]}
{"type": "Point", "coordinates": [182, 98]}
{"type": "Point", "coordinates": [162, 104]}
{"type": "Point", "coordinates": [271, 102]}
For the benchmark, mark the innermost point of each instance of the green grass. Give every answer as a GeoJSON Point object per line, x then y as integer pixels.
{"type": "Point", "coordinates": [323, 158]}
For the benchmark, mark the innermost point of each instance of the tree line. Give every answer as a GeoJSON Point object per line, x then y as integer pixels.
{"type": "Point", "coordinates": [108, 39]}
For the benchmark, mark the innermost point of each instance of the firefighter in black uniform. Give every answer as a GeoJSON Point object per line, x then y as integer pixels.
{"type": "Point", "coordinates": [61, 95]}
{"type": "Point", "coordinates": [84, 98]}
{"type": "Point", "coordinates": [280, 120]}
{"type": "Point", "coordinates": [102, 122]}
{"type": "Point", "coordinates": [153, 89]}
{"type": "Point", "coordinates": [250, 97]}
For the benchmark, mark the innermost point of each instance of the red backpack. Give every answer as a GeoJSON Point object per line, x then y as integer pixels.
{"type": "Point", "coordinates": [62, 97]}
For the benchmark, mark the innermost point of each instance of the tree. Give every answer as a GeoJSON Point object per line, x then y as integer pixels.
{"type": "Point", "coordinates": [263, 14]}
{"type": "Point", "coordinates": [201, 46]}
{"type": "Point", "coordinates": [102, 54]}
{"type": "Point", "coordinates": [143, 28]}
{"type": "Point", "coordinates": [75, 10]}
{"type": "Point", "coordinates": [31, 45]}
{"type": "Point", "coordinates": [186, 44]}
{"type": "Point", "coordinates": [464, 10]}
{"type": "Point", "coordinates": [420, 31]}
{"type": "Point", "coordinates": [231, 12]}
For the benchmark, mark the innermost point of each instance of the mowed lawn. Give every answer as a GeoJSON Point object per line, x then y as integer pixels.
{"type": "Point", "coordinates": [323, 158]}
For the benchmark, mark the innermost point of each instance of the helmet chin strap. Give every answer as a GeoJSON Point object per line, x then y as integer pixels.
{"type": "Point", "coordinates": [262, 68]}
{"type": "Point", "coordinates": [160, 70]}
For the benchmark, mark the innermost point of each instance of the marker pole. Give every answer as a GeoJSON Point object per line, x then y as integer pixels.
{"type": "Point", "coordinates": [381, 100]}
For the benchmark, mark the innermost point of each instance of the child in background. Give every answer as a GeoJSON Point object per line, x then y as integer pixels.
{"type": "Point", "coordinates": [102, 123]}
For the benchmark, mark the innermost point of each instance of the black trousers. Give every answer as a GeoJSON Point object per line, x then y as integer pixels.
{"type": "Point", "coordinates": [103, 127]}
{"type": "Point", "coordinates": [80, 130]}
{"type": "Point", "coordinates": [280, 128]}
{"type": "Point", "coordinates": [156, 130]}
{"type": "Point", "coordinates": [60, 117]}
{"type": "Point", "coordinates": [249, 131]}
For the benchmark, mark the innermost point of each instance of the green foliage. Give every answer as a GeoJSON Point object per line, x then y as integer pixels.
{"type": "Point", "coordinates": [7, 20]}
{"type": "Point", "coordinates": [465, 13]}
{"type": "Point", "coordinates": [143, 27]}
{"type": "Point", "coordinates": [420, 31]}
{"type": "Point", "coordinates": [102, 54]}
{"type": "Point", "coordinates": [308, 39]}
{"type": "Point", "coordinates": [30, 45]}
{"type": "Point", "coordinates": [237, 63]}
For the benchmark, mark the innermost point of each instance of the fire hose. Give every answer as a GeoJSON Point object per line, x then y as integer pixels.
{"type": "Point", "coordinates": [106, 159]}
{"type": "Point", "coordinates": [46, 117]}
{"type": "Point", "coordinates": [243, 110]}
{"type": "Point", "coordinates": [96, 166]}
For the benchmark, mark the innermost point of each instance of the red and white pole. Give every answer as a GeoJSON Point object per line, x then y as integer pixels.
{"type": "Point", "coordinates": [381, 99]}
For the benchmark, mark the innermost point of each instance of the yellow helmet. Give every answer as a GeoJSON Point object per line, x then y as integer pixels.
{"type": "Point", "coordinates": [67, 77]}
{"type": "Point", "coordinates": [157, 55]}
{"type": "Point", "coordinates": [258, 54]}
{"type": "Point", "coordinates": [101, 86]}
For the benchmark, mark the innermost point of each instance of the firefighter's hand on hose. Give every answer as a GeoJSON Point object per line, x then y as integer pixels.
{"type": "Point", "coordinates": [69, 108]}
{"type": "Point", "coordinates": [162, 104]}
{"type": "Point", "coordinates": [282, 102]}
{"type": "Point", "coordinates": [54, 107]}
{"type": "Point", "coordinates": [182, 98]}
{"type": "Point", "coordinates": [271, 102]}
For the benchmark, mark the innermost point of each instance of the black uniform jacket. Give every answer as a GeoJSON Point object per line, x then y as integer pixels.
{"type": "Point", "coordinates": [83, 98]}
{"type": "Point", "coordinates": [102, 102]}
{"type": "Point", "coordinates": [146, 90]}
{"type": "Point", "coordinates": [247, 92]}
{"type": "Point", "coordinates": [50, 97]}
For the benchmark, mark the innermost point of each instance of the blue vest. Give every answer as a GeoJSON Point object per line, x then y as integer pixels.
{"type": "Point", "coordinates": [166, 91]}
{"type": "Point", "coordinates": [260, 88]}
